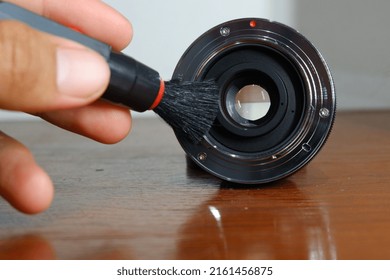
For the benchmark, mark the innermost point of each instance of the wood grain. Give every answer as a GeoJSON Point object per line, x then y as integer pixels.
{"type": "Point", "coordinates": [140, 200]}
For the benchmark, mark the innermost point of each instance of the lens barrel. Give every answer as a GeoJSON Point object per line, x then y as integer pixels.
{"type": "Point", "coordinates": [277, 100]}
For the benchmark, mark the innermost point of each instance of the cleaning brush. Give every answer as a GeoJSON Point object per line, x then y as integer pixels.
{"type": "Point", "coordinates": [190, 108]}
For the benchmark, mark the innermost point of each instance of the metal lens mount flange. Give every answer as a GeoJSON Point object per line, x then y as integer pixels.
{"type": "Point", "coordinates": [273, 59]}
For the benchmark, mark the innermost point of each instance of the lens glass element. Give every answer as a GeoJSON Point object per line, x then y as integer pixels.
{"type": "Point", "coordinates": [252, 102]}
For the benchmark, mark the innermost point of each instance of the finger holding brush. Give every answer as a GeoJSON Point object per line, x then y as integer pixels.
{"type": "Point", "coordinates": [23, 183]}
{"type": "Point", "coordinates": [97, 120]}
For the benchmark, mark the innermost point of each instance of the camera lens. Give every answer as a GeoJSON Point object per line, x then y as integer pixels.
{"type": "Point", "coordinates": [274, 89]}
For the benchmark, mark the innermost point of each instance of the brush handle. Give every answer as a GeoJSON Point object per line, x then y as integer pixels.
{"type": "Point", "coordinates": [132, 84]}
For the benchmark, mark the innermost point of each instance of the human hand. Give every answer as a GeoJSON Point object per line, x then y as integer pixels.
{"type": "Point", "coordinates": [59, 81]}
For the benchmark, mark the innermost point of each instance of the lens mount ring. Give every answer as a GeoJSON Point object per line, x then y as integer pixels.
{"type": "Point", "coordinates": [298, 127]}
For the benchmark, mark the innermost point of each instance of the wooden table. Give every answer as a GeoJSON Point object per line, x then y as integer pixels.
{"type": "Point", "coordinates": [139, 200]}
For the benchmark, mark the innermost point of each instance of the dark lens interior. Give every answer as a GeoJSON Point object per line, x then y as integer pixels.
{"type": "Point", "coordinates": [278, 76]}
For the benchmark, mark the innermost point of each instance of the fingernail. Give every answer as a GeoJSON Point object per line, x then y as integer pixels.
{"type": "Point", "coordinates": [81, 73]}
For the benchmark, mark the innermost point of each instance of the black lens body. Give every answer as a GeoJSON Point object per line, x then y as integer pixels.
{"type": "Point", "coordinates": [300, 116]}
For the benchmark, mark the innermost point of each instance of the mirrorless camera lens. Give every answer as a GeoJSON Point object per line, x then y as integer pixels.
{"type": "Point", "coordinates": [274, 89]}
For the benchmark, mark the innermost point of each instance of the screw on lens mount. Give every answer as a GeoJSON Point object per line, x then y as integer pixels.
{"type": "Point", "coordinates": [266, 57]}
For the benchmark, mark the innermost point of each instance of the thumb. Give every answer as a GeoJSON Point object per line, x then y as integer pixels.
{"type": "Point", "coordinates": [40, 72]}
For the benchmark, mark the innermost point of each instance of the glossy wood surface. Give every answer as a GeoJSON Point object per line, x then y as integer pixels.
{"type": "Point", "coordinates": [140, 200]}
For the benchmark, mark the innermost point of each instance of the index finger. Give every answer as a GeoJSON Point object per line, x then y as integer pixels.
{"type": "Point", "coordinates": [92, 17]}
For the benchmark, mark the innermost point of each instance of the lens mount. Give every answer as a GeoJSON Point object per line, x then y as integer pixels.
{"type": "Point", "coordinates": [277, 100]}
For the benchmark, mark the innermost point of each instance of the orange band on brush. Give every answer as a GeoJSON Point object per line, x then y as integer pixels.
{"type": "Point", "coordinates": [159, 96]}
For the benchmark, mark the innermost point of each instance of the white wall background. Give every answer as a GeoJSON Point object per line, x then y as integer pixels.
{"type": "Point", "coordinates": [353, 36]}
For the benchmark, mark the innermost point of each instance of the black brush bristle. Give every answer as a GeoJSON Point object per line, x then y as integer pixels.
{"type": "Point", "coordinates": [190, 108]}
